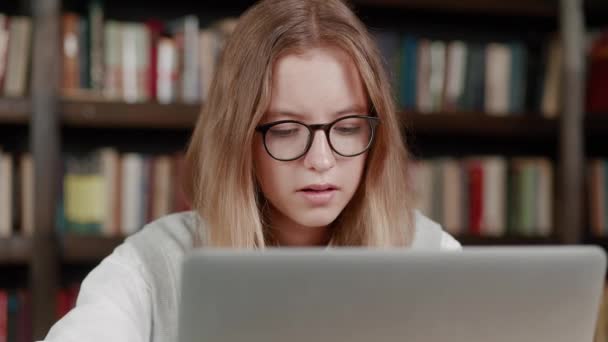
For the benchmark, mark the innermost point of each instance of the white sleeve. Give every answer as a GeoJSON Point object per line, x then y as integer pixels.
{"type": "Point", "coordinates": [113, 303]}
{"type": "Point", "coordinates": [448, 243]}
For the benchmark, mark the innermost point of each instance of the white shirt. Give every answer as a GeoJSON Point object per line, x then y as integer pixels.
{"type": "Point", "coordinates": [132, 295]}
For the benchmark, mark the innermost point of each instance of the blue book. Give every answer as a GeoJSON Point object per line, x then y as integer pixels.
{"type": "Point", "coordinates": [409, 68]}
{"type": "Point", "coordinates": [517, 93]}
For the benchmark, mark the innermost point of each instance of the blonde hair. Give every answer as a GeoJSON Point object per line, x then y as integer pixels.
{"type": "Point", "coordinates": [220, 177]}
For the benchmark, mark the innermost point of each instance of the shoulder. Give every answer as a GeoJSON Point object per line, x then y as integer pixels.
{"type": "Point", "coordinates": [177, 230]}
{"type": "Point", "coordinates": [161, 244]}
{"type": "Point", "coordinates": [429, 235]}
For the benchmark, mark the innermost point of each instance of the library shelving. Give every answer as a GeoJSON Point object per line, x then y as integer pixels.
{"type": "Point", "coordinates": [51, 117]}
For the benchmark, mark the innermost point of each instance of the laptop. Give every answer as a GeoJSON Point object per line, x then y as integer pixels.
{"type": "Point", "coordinates": [495, 294]}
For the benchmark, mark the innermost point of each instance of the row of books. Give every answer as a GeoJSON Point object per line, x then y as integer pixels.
{"type": "Point", "coordinates": [15, 316]}
{"type": "Point", "coordinates": [597, 176]}
{"type": "Point", "coordinates": [16, 311]}
{"type": "Point", "coordinates": [16, 194]}
{"type": "Point", "coordinates": [15, 45]}
{"type": "Point", "coordinates": [487, 196]}
{"type": "Point", "coordinates": [113, 194]}
{"type": "Point", "coordinates": [447, 76]}
{"type": "Point", "coordinates": [164, 61]}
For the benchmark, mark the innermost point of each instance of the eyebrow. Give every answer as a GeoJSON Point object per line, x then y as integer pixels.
{"type": "Point", "coordinates": [293, 115]}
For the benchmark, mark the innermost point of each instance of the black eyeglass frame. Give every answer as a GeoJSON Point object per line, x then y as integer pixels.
{"type": "Point", "coordinates": [372, 120]}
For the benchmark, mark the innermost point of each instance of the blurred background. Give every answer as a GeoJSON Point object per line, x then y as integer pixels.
{"type": "Point", "coordinates": [504, 107]}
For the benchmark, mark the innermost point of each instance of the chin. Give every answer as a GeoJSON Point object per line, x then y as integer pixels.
{"type": "Point", "coordinates": [317, 218]}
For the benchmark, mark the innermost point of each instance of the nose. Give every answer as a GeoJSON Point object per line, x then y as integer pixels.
{"type": "Point", "coordinates": [320, 156]}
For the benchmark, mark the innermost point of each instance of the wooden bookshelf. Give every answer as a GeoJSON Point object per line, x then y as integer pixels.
{"type": "Point", "coordinates": [472, 240]}
{"type": "Point", "coordinates": [596, 125]}
{"type": "Point", "coordinates": [15, 251]}
{"type": "Point", "coordinates": [481, 125]}
{"type": "Point", "coordinates": [14, 111]}
{"type": "Point", "coordinates": [114, 114]}
{"type": "Point", "coordinates": [47, 111]}
{"type": "Point", "coordinates": [87, 248]}
{"type": "Point", "coordinates": [110, 114]}
{"type": "Point", "coordinates": [513, 7]}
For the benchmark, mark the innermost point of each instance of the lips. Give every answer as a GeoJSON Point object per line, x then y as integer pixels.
{"type": "Point", "coordinates": [319, 188]}
{"type": "Point", "coordinates": [318, 195]}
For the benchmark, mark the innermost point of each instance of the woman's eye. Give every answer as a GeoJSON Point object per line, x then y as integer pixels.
{"type": "Point", "coordinates": [347, 129]}
{"type": "Point", "coordinates": [283, 133]}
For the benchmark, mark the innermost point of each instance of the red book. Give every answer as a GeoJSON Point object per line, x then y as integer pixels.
{"type": "Point", "coordinates": [3, 316]}
{"type": "Point", "coordinates": [24, 317]}
{"type": "Point", "coordinates": [597, 81]}
{"type": "Point", "coordinates": [63, 306]}
{"type": "Point", "coordinates": [476, 196]}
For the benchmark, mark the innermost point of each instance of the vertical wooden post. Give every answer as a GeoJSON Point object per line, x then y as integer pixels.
{"type": "Point", "coordinates": [571, 146]}
{"type": "Point", "coordinates": [44, 142]}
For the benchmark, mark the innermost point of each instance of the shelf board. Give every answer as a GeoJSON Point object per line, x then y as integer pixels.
{"type": "Point", "coordinates": [15, 250]}
{"type": "Point", "coordinates": [596, 125]}
{"type": "Point", "coordinates": [14, 110]}
{"type": "Point", "coordinates": [481, 125]}
{"type": "Point", "coordinates": [472, 240]}
{"type": "Point", "coordinates": [542, 8]}
{"type": "Point", "coordinates": [108, 114]}
{"type": "Point", "coordinates": [87, 248]}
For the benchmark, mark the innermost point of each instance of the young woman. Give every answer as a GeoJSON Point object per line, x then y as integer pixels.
{"type": "Point", "coordinates": [298, 145]}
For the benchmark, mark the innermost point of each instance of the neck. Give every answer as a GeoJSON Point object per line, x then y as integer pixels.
{"type": "Point", "coordinates": [289, 233]}
{"type": "Point", "coordinates": [301, 236]}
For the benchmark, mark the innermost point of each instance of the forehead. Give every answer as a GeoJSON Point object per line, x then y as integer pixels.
{"type": "Point", "coordinates": [317, 84]}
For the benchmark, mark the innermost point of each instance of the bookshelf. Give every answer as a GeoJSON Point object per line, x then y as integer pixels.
{"type": "Point", "coordinates": [15, 251]}
{"type": "Point", "coordinates": [79, 249]}
{"type": "Point", "coordinates": [481, 125]}
{"type": "Point", "coordinates": [14, 111]}
{"type": "Point", "coordinates": [51, 119]}
{"type": "Point", "coordinates": [105, 114]}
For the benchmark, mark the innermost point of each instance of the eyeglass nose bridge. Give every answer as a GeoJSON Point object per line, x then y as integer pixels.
{"type": "Point", "coordinates": [313, 129]}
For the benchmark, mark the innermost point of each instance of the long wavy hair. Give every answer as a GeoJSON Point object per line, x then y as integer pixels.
{"type": "Point", "coordinates": [220, 177]}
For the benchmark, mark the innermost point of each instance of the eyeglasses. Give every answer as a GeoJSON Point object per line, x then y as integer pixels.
{"type": "Point", "coordinates": [348, 136]}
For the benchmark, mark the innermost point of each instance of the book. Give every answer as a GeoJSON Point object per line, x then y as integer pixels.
{"type": "Point", "coordinates": [6, 195]}
{"type": "Point", "coordinates": [19, 45]}
{"type": "Point", "coordinates": [4, 39]}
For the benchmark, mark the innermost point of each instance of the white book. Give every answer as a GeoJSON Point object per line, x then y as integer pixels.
{"type": "Point", "coordinates": [452, 193]}
{"type": "Point", "coordinates": [166, 71]}
{"type": "Point", "coordinates": [455, 74]}
{"type": "Point", "coordinates": [545, 198]}
{"type": "Point", "coordinates": [130, 88]}
{"type": "Point", "coordinates": [27, 194]}
{"type": "Point", "coordinates": [437, 77]}
{"type": "Point", "coordinates": [498, 77]}
{"type": "Point", "coordinates": [15, 82]}
{"type": "Point", "coordinates": [109, 170]}
{"type": "Point", "coordinates": [494, 196]}
{"type": "Point", "coordinates": [131, 201]}
{"type": "Point", "coordinates": [6, 195]}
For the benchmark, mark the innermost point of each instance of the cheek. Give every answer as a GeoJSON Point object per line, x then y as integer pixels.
{"type": "Point", "coordinates": [267, 170]}
{"type": "Point", "coordinates": [354, 171]}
